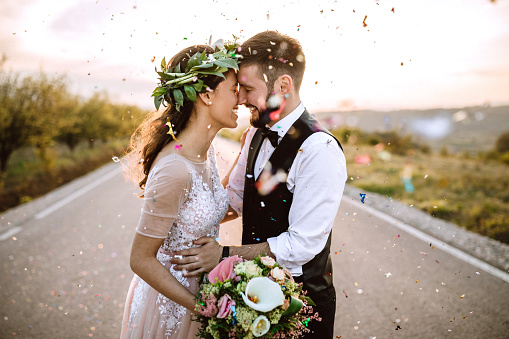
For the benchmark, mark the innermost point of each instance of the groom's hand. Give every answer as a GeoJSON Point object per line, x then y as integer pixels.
{"type": "Point", "coordinates": [198, 259]}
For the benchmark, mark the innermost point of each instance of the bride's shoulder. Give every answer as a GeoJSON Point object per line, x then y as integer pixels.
{"type": "Point", "coordinates": [173, 166]}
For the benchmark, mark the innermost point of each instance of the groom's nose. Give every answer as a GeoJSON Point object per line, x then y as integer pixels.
{"type": "Point", "coordinates": [242, 97]}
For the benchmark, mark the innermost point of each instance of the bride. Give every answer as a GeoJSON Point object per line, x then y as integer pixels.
{"type": "Point", "coordinates": [183, 196]}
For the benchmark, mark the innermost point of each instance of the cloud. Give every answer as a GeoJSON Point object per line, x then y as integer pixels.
{"type": "Point", "coordinates": [11, 12]}
{"type": "Point", "coordinates": [83, 18]}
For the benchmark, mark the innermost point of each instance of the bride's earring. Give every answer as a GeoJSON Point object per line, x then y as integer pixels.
{"type": "Point", "coordinates": [210, 103]}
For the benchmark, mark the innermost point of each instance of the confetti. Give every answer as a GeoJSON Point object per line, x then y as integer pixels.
{"type": "Point", "coordinates": [363, 196]}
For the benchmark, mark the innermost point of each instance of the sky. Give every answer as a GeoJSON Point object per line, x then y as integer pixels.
{"type": "Point", "coordinates": [361, 54]}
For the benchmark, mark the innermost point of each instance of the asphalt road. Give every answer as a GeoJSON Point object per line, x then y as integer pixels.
{"type": "Point", "coordinates": [65, 270]}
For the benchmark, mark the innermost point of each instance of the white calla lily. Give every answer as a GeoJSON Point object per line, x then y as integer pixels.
{"type": "Point", "coordinates": [260, 326]}
{"type": "Point", "coordinates": [263, 294]}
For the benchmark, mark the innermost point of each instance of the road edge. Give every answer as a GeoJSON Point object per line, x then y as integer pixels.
{"type": "Point", "coordinates": [20, 214]}
{"type": "Point", "coordinates": [486, 249]}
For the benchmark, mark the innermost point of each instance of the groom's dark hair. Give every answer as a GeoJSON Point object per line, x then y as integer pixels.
{"type": "Point", "coordinates": [275, 54]}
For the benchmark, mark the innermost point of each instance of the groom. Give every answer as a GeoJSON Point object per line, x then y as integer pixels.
{"type": "Point", "coordinates": [289, 178]}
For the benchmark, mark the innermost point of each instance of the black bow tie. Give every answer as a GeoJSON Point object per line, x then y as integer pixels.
{"type": "Point", "coordinates": [271, 135]}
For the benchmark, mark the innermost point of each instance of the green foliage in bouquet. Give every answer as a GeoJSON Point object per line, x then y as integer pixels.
{"type": "Point", "coordinates": [228, 307]}
{"type": "Point", "coordinates": [177, 85]}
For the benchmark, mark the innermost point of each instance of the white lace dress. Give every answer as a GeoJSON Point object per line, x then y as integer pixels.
{"type": "Point", "coordinates": [184, 201]}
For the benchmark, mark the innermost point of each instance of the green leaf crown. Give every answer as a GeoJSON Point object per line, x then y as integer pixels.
{"type": "Point", "coordinates": [176, 85]}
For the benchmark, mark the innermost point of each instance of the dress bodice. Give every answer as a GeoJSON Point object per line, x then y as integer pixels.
{"type": "Point", "coordinates": [184, 200]}
{"type": "Point", "coordinates": [202, 211]}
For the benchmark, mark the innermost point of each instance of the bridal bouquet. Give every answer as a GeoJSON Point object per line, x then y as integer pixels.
{"type": "Point", "coordinates": [255, 298]}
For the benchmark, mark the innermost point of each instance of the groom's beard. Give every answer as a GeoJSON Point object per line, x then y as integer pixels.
{"type": "Point", "coordinates": [261, 120]}
{"type": "Point", "coordinates": [263, 117]}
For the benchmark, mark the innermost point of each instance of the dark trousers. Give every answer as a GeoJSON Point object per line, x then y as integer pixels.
{"type": "Point", "coordinates": [326, 308]}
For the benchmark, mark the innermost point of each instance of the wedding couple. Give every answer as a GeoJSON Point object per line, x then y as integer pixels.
{"type": "Point", "coordinates": [286, 185]}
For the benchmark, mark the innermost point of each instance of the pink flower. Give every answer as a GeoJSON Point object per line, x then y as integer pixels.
{"type": "Point", "coordinates": [224, 270]}
{"type": "Point", "coordinates": [210, 308]}
{"type": "Point", "coordinates": [224, 304]}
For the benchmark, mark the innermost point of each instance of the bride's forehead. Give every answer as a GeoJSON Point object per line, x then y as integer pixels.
{"type": "Point", "coordinates": [231, 78]}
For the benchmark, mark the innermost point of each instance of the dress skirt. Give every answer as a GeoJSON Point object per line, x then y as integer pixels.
{"type": "Point", "coordinates": [148, 314]}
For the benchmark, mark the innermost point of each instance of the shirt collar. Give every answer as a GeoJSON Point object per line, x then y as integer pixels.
{"type": "Point", "coordinates": [283, 125]}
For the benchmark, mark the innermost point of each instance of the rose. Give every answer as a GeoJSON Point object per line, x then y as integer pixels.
{"type": "Point", "coordinates": [224, 270]}
{"type": "Point", "coordinates": [268, 261]}
{"type": "Point", "coordinates": [278, 274]}
{"type": "Point", "coordinates": [225, 303]}
{"type": "Point", "coordinates": [249, 268]}
{"type": "Point", "coordinates": [260, 326]}
{"type": "Point", "coordinates": [253, 269]}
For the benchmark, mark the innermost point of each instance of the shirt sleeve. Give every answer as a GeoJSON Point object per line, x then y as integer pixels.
{"type": "Point", "coordinates": [317, 180]}
{"type": "Point", "coordinates": [166, 191]}
{"type": "Point", "coordinates": [235, 187]}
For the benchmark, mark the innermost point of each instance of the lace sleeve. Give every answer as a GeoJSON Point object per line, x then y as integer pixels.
{"type": "Point", "coordinates": [167, 189]}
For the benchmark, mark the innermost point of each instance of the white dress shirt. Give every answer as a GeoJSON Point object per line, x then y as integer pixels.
{"type": "Point", "coordinates": [316, 179]}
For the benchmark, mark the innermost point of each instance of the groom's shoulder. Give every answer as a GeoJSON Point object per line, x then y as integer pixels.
{"type": "Point", "coordinates": [321, 139]}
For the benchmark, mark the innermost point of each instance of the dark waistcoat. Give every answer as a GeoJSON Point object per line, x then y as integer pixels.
{"type": "Point", "coordinates": [266, 216]}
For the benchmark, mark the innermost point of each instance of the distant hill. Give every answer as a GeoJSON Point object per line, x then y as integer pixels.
{"type": "Point", "coordinates": [464, 129]}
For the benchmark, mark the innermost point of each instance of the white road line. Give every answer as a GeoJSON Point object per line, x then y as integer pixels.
{"type": "Point", "coordinates": [429, 239]}
{"type": "Point", "coordinates": [76, 194]}
{"type": "Point", "coordinates": [10, 233]}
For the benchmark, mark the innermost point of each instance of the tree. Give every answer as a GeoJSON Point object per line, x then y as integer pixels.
{"type": "Point", "coordinates": [30, 112]}
{"type": "Point", "coordinates": [16, 115]}
{"type": "Point", "coordinates": [48, 106]}
{"type": "Point", "coordinates": [502, 143]}
{"type": "Point", "coordinates": [71, 129]}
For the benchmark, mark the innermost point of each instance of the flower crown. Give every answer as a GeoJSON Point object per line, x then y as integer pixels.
{"type": "Point", "coordinates": [176, 85]}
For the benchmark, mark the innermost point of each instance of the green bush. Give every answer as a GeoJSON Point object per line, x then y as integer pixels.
{"type": "Point", "coordinates": [502, 143]}
{"type": "Point", "coordinates": [504, 158]}
{"type": "Point", "coordinates": [376, 188]}
{"type": "Point", "coordinates": [495, 227]}
{"type": "Point", "coordinates": [348, 134]}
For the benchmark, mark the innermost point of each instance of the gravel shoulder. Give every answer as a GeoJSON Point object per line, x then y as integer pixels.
{"type": "Point", "coordinates": [491, 251]}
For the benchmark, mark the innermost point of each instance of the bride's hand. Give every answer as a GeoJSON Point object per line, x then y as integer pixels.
{"type": "Point", "coordinates": [243, 138]}
{"type": "Point", "coordinates": [198, 259]}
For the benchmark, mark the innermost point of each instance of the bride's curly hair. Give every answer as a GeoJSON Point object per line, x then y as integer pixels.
{"type": "Point", "coordinates": [151, 136]}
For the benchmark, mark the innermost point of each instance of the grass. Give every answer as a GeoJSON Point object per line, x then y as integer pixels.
{"type": "Point", "coordinates": [471, 193]}
{"type": "Point", "coordinates": [28, 177]}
